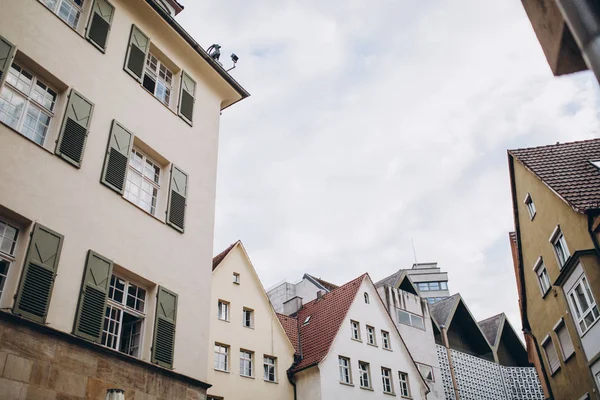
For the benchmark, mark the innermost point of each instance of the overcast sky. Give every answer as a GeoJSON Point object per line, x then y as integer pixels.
{"type": "Point", "coordinates": [372, 123]}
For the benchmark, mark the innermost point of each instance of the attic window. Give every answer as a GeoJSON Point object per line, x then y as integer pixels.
{"type": "Point", "coordinates": [530, 206]}
{"type": "Point", "coordinates": [596, 163]}
{"type": "Point", "coordinates": [306, 321]}
{"type": "Point", "coordinates": [366, 297]}
{"type": "Point", "coordinates": [236, 278]}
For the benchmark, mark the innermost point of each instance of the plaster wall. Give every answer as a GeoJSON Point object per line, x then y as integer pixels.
{"type": "Point", "coordinates": [267, 337]}
{"type": "Point", "coordinates": [398, 359]}
{"type": "Point", "coordinates": [308, 384]}
{"type": "Point", "coordinates": [39, 187]}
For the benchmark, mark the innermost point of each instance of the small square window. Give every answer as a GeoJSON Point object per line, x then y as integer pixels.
{"type": "Point", "coordinates": [426, 372]}
{"type": "Point", "coordinates": [223, 310]}
{"type": "Point", "coordinates": [236, 278]}
{"type": "Point", "coordinates": [542, 276]}
{"type": "Point", "coordinates": [248, 318]}
{"type": "Point", "coordinates": [530, 206]}
{"type": "Point", "coordinates": [559, 244]}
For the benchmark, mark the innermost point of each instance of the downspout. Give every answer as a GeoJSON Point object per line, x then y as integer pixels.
{"type": "Point", "coordinates": [450, 363]}
{"type": "Point", "coordinates": [538, 353]}
{"type": "Point", "coordinates": [583, 18]}
{"type": "Point", "coordinates": [290, 376]}
{"type": "Point", "coordinates": [297, 359]}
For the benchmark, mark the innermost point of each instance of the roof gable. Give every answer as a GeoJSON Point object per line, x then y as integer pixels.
{"type": "Point", "coordinates": [221, 256]}
{"type": "Point", "coordinates": [399, 280]}
{"type": "Point", "coordinates": [491, 328]}
{"type": "Point", "coordinates": [566, 169]}
{"type": "Point", "coordinates": [321, 283]}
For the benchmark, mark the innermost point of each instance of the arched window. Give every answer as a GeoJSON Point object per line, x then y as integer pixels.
{"type": "Point", "coordinates": [366, 297]}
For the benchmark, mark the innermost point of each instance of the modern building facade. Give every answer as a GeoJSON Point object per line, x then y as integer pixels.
{"type": "Point", "coordinates": [284, 294]}
{"type": "Point", "coordinates": [251, 351]}
{"type": "Point", "coordinates": [109, 119]}
{"type": "Point", "coordinates": [348, 347]}
{"type": "Point", "coordinates": [555, 194]}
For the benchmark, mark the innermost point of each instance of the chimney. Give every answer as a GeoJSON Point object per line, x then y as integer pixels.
{"type": "Point", "coordinates": [292, 306]}
{"type": "Point", "coordinates": [320, 294]}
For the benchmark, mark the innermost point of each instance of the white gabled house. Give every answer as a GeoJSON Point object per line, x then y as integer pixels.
{"type": "Point", "coordinates": [348, 347]}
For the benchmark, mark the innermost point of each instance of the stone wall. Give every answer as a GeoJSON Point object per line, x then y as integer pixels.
{"type": "Point", "coordinates": [38, 362]}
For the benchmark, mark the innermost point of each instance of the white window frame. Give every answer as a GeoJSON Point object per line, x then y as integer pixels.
{"type": "Point", "coordinates": [541, 273]}
{"type": "Point", "coordinates": [412, 317]}
{"type": "Point", "coordinates": [124, 308]}
{"type": "Point", "coordinates": [158, 79]}
{"type": "Point", "coordinates": [221, 350]}
{"type": "Point", "coordinates": [385, 340]}
{"type": "Point", "coordinates": [306, 321]}
{"type": "Point", "coordinates": [548, 339]}
{"type": "Point", "coordinates": [428, 368]}
{"type": "Point", "coordinates": [355, 330]}
{"type": "Point", "coordinates": [387, 380]}
{"type": "Point", "coordinates": [345, 370]}
{"type": "Point", "coordinates": [364, 373]}
{"type": "Point", "coordinates": [223, 308]}
{"type": "Point", "coordinates": [7, 257]}
{"type": "Point", "coordinates": [246, 363]}
{"type": "Point", "coordinates": [250, 312]}
{"type": "Point", "coordinates": [557, 239]}
{"type": "Point", "coordinates": [29, 102]}
{"type": "Point", "coordinates": [55, 8]}
{"type": "Point", "coordinates": [371, 338]}
{"type": "Point", "coordinates": [530, 205]}
{"type": "Point", "coordinates": [579, 315]}
{"type": "Point", "coordinates": [269, 363]}
{"type": "Point", "coordinates": [404, 384]}
{"type": "Point", "coordinates": [236, 278]}
{"type": "Point", "coordinates": [136, 199]}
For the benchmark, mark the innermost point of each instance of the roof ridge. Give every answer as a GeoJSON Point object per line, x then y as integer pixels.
{"type": "Point", "coordinates": [493, 316]}
{"type": "Point", "coordinates": [221, 256]}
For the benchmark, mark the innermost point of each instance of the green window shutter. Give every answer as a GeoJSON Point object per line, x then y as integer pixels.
{"type": "Point", "coordinates": [99, 25]}
{"type": "Point", "coordinates": [7, 52]}
{"type": "Point", "coordinates": [177, 198]}
{"type": "Point", "coordinates": [139, 44]}
{"type": "Point", "coordinates": [74, 130]}
{"type": "Point", "coordinates": [120, 142]}
{"type": "Point", "coordinates": [163, 343]}
{"type": "Point", "coordinates": [39, 271]}
{"type": "Point", "coordinates": [187, 94]}
{"type": "Point", "coordinates": [93, 297]}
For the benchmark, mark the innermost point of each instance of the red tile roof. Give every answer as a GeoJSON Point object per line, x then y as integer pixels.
{"type": "Point", "coordinates": [326, 317]}
{"type": "Point", "coordinates": [219, 257]}
{"type": "Point", "coordinates": [290, 326]}
{"type": "Point", "coordinates": [566, 169]}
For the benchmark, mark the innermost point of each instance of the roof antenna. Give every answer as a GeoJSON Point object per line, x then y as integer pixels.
{"type": "Point", "coordinates": [414, 251]}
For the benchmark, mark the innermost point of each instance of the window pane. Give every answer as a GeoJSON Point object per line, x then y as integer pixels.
{"type": "Point", "coordinates": [36, 124]}
{"type": "Point", "coordinates": [581, 298]}
{"type": "Point", "coordinates": [403, 317]}
{"type": "Point", "coordinates": [11, 107]}
{"type": "Point", "coordinates": [69, 13]}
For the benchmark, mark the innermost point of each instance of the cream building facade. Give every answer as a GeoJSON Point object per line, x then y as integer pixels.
{"type": "Point", "coordinates": [109, 120]}
{"type": "Point", "coordinates": [251, 350]}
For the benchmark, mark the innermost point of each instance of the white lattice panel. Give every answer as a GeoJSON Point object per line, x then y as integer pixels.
{"type": "Point", "coordinates": [522, 383]}
{"type": "Point", "coordinates": [445, 369]}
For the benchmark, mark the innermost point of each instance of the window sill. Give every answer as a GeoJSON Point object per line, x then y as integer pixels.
{"type": "Point", "coordinates": [268, 381]}
{"type": "Point", "coordinates": [406, 397]}
{"type": "Point", "coordinates": [357, 340]}
{"type": "Point", "coordinates": [246, 376]}
{"type": "Point", "coordinates": [223, 320]}
{"type": "Point", "coordinates": [26, 138]}
{"type": "Point", "coordinates": [386, 349]}
{"type": "Point", "coordinates": [347, 384]}
{"type": "Point", "coordinates": [142, 210]}
{"type": "Point", "coordinates": [248, 327]}
{"type": "Point", "coordinates": [390, 393]}
{"type": "Point", "coordinates": [372, 345]}
{"type": "Point", "coordinates": [222, 370]}
{"type": "Point", "coordinates": [367, 388]}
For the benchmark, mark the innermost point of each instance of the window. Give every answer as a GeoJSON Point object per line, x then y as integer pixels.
{"type": "Point", "coordinates": [355, 330]}
{"type": "Point", "coordinates": [8, 242]}
{"type": "Point", "coordinates": [407, 318]}
{"type": "Point", "coordinates": [371, 335]}
{"type": "Point", "coordinates": [564, 340]}
{"type": "Point", "coordinates": [583, 305]}
{"type": "Point", "coordinates": [426, 372]}
{"type": "Point", "coordinates": [68, 10]}
{"type": "Point", "coordinates": [598, 378]}
{"type": "Point", "coordinates": [124, 318]}
{"type": "Point", "coordinates": [248, 318]}
{"type": "Point", "coordinates": [542, 276]}
{"type": "Point", "coordinates": [560, 247]}
{"type": "Point", "coordinates": [530, 206]}
{"type": "Point", "coordinates": [269, 364]}
{"type": "Point", "coordinates": [404, 386]}
{"type": "Point", "coordinates": [236, 278]}
{"type": "Point", "coordinates": [223, 310]}
{"type": "Point", "coordinates": [143, 181]}
{"type": "Point", "coordinates": [432, 286]}
{"type": "Point", "coordinates": [386, 378]}
{"type": "Point", "coordinates": [385, 339]}
{"type": "Point", "coordinates": [306, 321]}
{"type": "Point", "coordinates": [27, 104]}
{"type": "Point", "coordinates": [366, 295]}
{"type": "Point", "coordinates": [246, 363]}
{"type": "Point", "coordinates": [221, 357]}
{"type": "Point", "coordinates": [158, 79]}
{"type": "Point", "coordinates": [345, 376]}
{"type": "Point", "coordinates": [365, 374]}
{"type": "Point", "coordinates": [551, 355]}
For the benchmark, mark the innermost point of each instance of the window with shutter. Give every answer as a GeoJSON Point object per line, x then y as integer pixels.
{"type": "Point", "coordinates": [39, 270]}
{"type": "Point", "coordinates": [163, 343]}
{"type": "Point", "coordinates": [93, 297]}
{"type": "Point", "coordinates": [177, 199]}
{"type": "Point", "coordinates": [564, 340]}
{"type": "Point", "coordinates": [139, 44]}
{"type": "Point", "coordinates": [74, 130]}
{"type": "Point", "coordinates": [99, 25]}
{"type": "Point", "coordinates": [551, 354]}
{"type": "Point", "coordinates": [120, 143]}
{"type": "Point", "coordinates": [187, 97]}
{"type": "Point", "coordinates": [7, 52]}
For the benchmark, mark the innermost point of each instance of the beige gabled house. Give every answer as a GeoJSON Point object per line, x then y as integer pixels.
{"type": "Point", "coordinates": [251, 351]}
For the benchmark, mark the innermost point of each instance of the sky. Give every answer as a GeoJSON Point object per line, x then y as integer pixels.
{"type": "Point", "coordinates": [376, 124]}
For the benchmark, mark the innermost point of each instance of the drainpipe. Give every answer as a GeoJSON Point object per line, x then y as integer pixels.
{"type": "Point", "coordinates": [290, 376]}
{"type": "Point", "coordinates": [539, 356]}
{"type": "Point", "coordinates": [450, 363]}
{"type": "Point", "coordinates": [583, 18]}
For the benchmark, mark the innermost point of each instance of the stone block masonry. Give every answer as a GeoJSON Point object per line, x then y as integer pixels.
{"type": "Point", "coordinates": [40, 363]}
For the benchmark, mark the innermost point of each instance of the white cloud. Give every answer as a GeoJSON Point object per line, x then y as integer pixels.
{"type": "Point", "coordinates": [371, 123]}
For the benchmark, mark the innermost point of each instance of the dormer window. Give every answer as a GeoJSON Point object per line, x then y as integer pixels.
{"type": "Point", "coordinates": [306, 321]}
{"type": "Point", "coordinates": [530, 206]}
{"type": "Point", "coordinates": [596, 163]}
